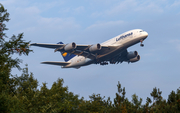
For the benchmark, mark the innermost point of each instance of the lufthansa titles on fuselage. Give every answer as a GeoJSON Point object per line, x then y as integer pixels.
{"type": "Point", "coordinates": [124, 36]}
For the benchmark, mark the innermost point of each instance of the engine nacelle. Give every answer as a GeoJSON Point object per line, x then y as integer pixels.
{"type": "Point", "coordinates": [137, 58]}
{"type": "Point", "coordinates": [70, 46]}
{"type": "Point", "coordinates": [132, 54]}
{"type": "Point", "coordinates": [95, 47]}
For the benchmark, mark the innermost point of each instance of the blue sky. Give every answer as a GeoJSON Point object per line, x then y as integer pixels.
{"type": "Point", "coordinates": [95, 21]}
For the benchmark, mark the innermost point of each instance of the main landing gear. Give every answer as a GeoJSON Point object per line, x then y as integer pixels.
{"type": "Point", "coordinates": [142, 45]}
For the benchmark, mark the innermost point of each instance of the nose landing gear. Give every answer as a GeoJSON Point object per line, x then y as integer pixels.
{"type": "Point", "coordinates": [142, 45]}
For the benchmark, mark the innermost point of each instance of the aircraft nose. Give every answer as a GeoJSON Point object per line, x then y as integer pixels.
{"type": "Point", "coordinates": [146, 34]}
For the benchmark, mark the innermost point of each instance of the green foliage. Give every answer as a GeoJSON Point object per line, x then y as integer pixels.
{"type": "Point", "coordinates": [120, 102]}
{"type": "Point", "coordinates": [96, 104]}
{"type": "Point", "coordinates": [28, 98]}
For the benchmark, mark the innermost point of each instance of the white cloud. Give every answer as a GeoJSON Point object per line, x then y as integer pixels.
{"type": "Point", "coordinates": [101, 25]}
{"type": "Point", "coordinates": [149, 8]}
{"type": "Point", "coordinates": [44, 6]}
{"type": "Point", "coordinates": [122, 7]}
{"type": "Point", "coordinates": [79, 9]}
{"type": "Point", "coordinates": [128, 6]}
{"type": "Point", "coordinates": [51, 29]}
{"type": "Point", "coordinates": [176, 3]}
{"type": "Point", "coordinates": [103, 2]}
{"type": "Point", "coordinates": [51, 24]}
{"type": "Point", "coordinates": [102, 31]}
{"type": "Point", "coordinates": [41, 5]}
{"type": "Point", "coordinates": [96, 14]}
{"type": "Point", "coordinates": [115, 9]}
{"type": "Point", "coordinates": [37, 27]}
{"type": "Point", "coordinates": [58, 23]}
{"type": "Point", "coordinates": [13, 3]}
{"type": "Point", "coordinates": [29, 10]}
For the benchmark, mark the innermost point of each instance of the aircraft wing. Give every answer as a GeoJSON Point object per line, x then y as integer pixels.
{"type": "Point", "coordinates": [82, 50]}
{"type": "Point", "coordinates": [56, 63]}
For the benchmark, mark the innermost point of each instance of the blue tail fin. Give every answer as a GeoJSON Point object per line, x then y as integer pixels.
{"type": "Point", "coordinates": [66, 55]}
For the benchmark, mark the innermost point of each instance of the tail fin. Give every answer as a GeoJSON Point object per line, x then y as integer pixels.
{"type": "Point", "coordinates": [65, 55]}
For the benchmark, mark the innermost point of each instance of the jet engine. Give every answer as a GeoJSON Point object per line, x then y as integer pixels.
{"type": "Point", "coordinates": [70, 46]}
{"type": "Point", "coordinates": [137, 58]}
{"type": "Point", "coordinates": [95, 47]}
{"type": "Point", "coordinates": [132, 54]}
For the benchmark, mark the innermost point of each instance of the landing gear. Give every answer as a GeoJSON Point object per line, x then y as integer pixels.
{"type": "Point", "coordinates": [142, 45]}
{"type": "Point", "coordinates": [101, 62]}
{"type": "Point", "coordinates": [104, 63]}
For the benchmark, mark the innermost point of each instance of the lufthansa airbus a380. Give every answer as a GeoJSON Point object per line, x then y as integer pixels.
{"type": "Point", "coordinates": [112, 51]}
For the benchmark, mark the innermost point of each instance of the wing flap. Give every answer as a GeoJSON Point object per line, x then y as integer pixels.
{"type": "Point", "coordinates": [56, 63]}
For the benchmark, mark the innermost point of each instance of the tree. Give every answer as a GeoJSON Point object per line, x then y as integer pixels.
{"type": "Point", "coordinates": [156, 94]}
{"type": "Point", "coordinates": [96, 104]}
{"type": "Point", "coordinates": [8, 47]}
{"type": "Point", "coordinates": [120, 102]}
{"type": "Point", "coordinates": [15, 45]}
{"type": "Point", "coordinates": [136, 103]}
{"type": "Point", "coordinates": [174, 100]}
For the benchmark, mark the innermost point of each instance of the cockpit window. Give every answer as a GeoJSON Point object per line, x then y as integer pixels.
{"type": "Point", "coordinates": [141, 31]}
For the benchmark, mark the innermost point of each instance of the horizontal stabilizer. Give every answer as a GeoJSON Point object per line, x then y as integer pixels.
{"type": "Point", "coordinates": [52, 46]}
{"type": "Point", "coordinates": [56, 63]}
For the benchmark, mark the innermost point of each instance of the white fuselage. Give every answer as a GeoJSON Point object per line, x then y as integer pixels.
{"type": "Point", "coordinates": [125, 40]}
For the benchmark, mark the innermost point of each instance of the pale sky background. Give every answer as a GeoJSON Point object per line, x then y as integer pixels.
{"type": "Point", "coordinates": [95, 21]}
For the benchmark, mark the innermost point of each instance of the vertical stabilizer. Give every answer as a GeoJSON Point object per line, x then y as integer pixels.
{"type": "Point", "coordinates": [66, 55]}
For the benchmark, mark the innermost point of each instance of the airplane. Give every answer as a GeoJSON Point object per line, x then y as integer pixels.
{"type": "Point", "coordinates": [112, 51]}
